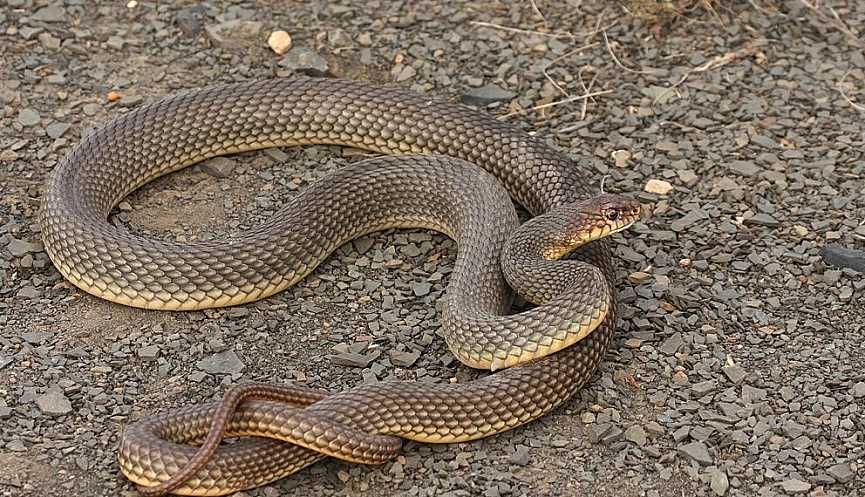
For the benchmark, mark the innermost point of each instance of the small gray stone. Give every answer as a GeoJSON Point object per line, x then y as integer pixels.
{"type": "Point", "coordinates": [36, 337]}
{"type": "Point", "coordinates": [149, 352]}
{"type": "Point", "coordinates": [128, 101]}
{"type": "Point", "coordinates": [189, 19]}
{"type": "Point", "coordinates": [19, 248]}
{"type": "Point", "coordinates": [53, 402]}
{"type": "Point", "coordinates": [52, 13]}
{"type": "Point", "coordinates": [403, 73]}
{"type": "Point", "coordinates": [841, 472]}
{"type": "Point", "coordinates": [363, 244]}
{"type": "Point", "coordinates": [48, 41]}
{"type": "Point", "coordinates": [614, 434]}
{"type": "Point", "coordinates": [671, 345]}
{"type": "Point", "coordinates": [219, 167]}
{"type": "Point", "coordinates": [735, 373]}
{"type": "Point", "coordinates": [235, 34]}
{"type": "Point", "coordinates": [404, 359]}
{"type": "Point", "coordinates": [636, 434]}
{"type": "Point", "coordinates": [697, 451]}
{"type": "Point", "coordinates": [744, 168]}
{"type": "Point", "coordinates": [28, 33]}
{"type": "Point", "coordinates": [221, 363]}
{"type": "Point", "coordinates": [687, 220]}
{"type": "Point", "coordinates": [793, 429]}
{"type": "Point", "coordinates": [115, 42]}
{"type": "Point", "coordinates": [16, 445]}
{"type": "Point", "coordinates": [831, 276]}
{"type": "Point", "coordinates": [752, 394]}
{"type": "Point", "coordinates": [486, 95]}
{"type": "Point", "coordinates": [421, 288]}
{"type": "Point", "coordinates": [353, 360]}
{"type": "Point", "coordinates": [28, 117]}
{"type": "Point", "coordinates": [304, 59]}
{"type": "Point", "coordinates": [681, 433]}
{"type": "Point", "coordinates": [794, 486]}
{"type": "Point", "coordinates": [91, 109]}
{"type": "Point", "coordinates": [858, 390]}
{"type": "Point", "coordinates": [56, 130]}
{"type": "Point", "coordinates": [703, 387]}
{"type": "Point", "coordinates": [410, 250]}
{"type": "Point", "coordinates": [559, 443]}
{"type": "Point", "coordinates": [598, 430]}
{"type": "Point", "coordinates": [520, 456]}
{"type": "Point", "coordinates": [28, 292]}
{"type": "Point", "coordinates": [762, 219]}
{"type": "Point", "coordinates": [719, 483]}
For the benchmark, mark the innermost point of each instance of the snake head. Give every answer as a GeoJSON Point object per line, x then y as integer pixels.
{"type": "Point", "coordinates": [572, 225]}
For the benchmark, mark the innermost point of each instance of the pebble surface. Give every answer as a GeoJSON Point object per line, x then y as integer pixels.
{"type": "Point", "coordinates": [738, 365]}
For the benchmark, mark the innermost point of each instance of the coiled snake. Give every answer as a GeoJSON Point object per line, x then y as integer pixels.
{"type": "Point", "coordinates": [554, 347]}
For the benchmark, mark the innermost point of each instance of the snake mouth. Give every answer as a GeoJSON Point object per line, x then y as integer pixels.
{"type": "Point", "coordinates": [622, 228]}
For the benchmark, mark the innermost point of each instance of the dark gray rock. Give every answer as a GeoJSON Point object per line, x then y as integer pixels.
{"type": "Point", "coordinates": [762, 219]}
{"type": "Point", "coordinates": [697, 451]}
{"type": "Point", "coordinates": [404, 359]}
{"type": "Point", "coordinates": [51, 13]}
{"type": "Point", "coordinates": [486, 95]}
{"type": "Point", "coordinates": [149, 352]}
{"type": "Point", "coordinates": [795, 487]}
{"type": "Point", "coordinates": [236, 34]}
{"type": "Point", "coordinates": [36, 337]}
{"type": "Point", "coordinates": [219, 167]}
{"type": "Point", "coordinates": [671, 344]}
{"type": "Point", "coordinates": [28, 117]}
{"type": "Point", "coordinates": [520, 456]}
{"type": "Point", "coordinates": [841, 473]}
{"type": "Point", "coordinates": [54, 403]}
{"type": "Point", "coordinates": [354, 360]}
{"type": "Point", "coordinates": [636, 434]}
{"type": "Point", "coordinates": [735, 373]}
{"type": "Point", "coordinates": [744, 168]}
{"type": "Point", "coordinates": [719, 482]}
{"type": "Point", "coordinates": [19, 248]}
{"type": "Point", "coordinates": [836, 255]}
{"type": "Point", "coordinates": [56, 130]}
{"type": "Point", "coordinates": [222, 363]}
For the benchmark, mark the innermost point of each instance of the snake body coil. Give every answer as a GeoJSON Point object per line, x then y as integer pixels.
{"type": "Point", "coordinates": [442, 193]}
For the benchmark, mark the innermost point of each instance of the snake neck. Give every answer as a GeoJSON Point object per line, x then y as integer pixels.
{"type": "Point", "coordinates": [531, 270]}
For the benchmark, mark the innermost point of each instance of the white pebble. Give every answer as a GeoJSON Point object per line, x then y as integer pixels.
{"type": "Point", "coordinates": [279, 42]}
{"type": "Point", "coordinates": [658, 186]}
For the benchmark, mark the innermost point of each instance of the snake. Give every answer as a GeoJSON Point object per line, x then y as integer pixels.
{"type": "Point", "coordinates": [447, 167]}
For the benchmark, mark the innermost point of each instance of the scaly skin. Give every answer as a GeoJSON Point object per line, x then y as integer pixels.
{"type": "Point", "coordinates": [442, 193]}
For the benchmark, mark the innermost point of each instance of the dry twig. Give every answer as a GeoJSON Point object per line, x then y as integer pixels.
{"type": "Point", "coordinates": [586, 89]}
{"type": "Point", "coordinates": [616, 59]}
{"type": "Point", "coordinates": [559, 59]}
{"type": "Point", "coordinates": [719, 61]}
{"type": "Point", "coordinates": [555, 34]}
{"type": "Point", "coordinates": [558, 102]}
{"type": "Point", "coordinates": [840, 87]}
{"type": "Point", "coordinates": [538, 12]}
{"type": "Point", "coordinates": [838, 23]}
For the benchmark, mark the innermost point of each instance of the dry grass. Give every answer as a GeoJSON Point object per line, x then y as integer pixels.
{"type": "Point", "coordinates": [662, 13]}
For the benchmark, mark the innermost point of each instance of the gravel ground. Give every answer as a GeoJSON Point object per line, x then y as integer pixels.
{"type": "Point", "coordinates": [738, 368]}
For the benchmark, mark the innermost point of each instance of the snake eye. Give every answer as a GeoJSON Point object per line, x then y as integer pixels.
{"type": "Point", "coordinates": [612, 215]}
